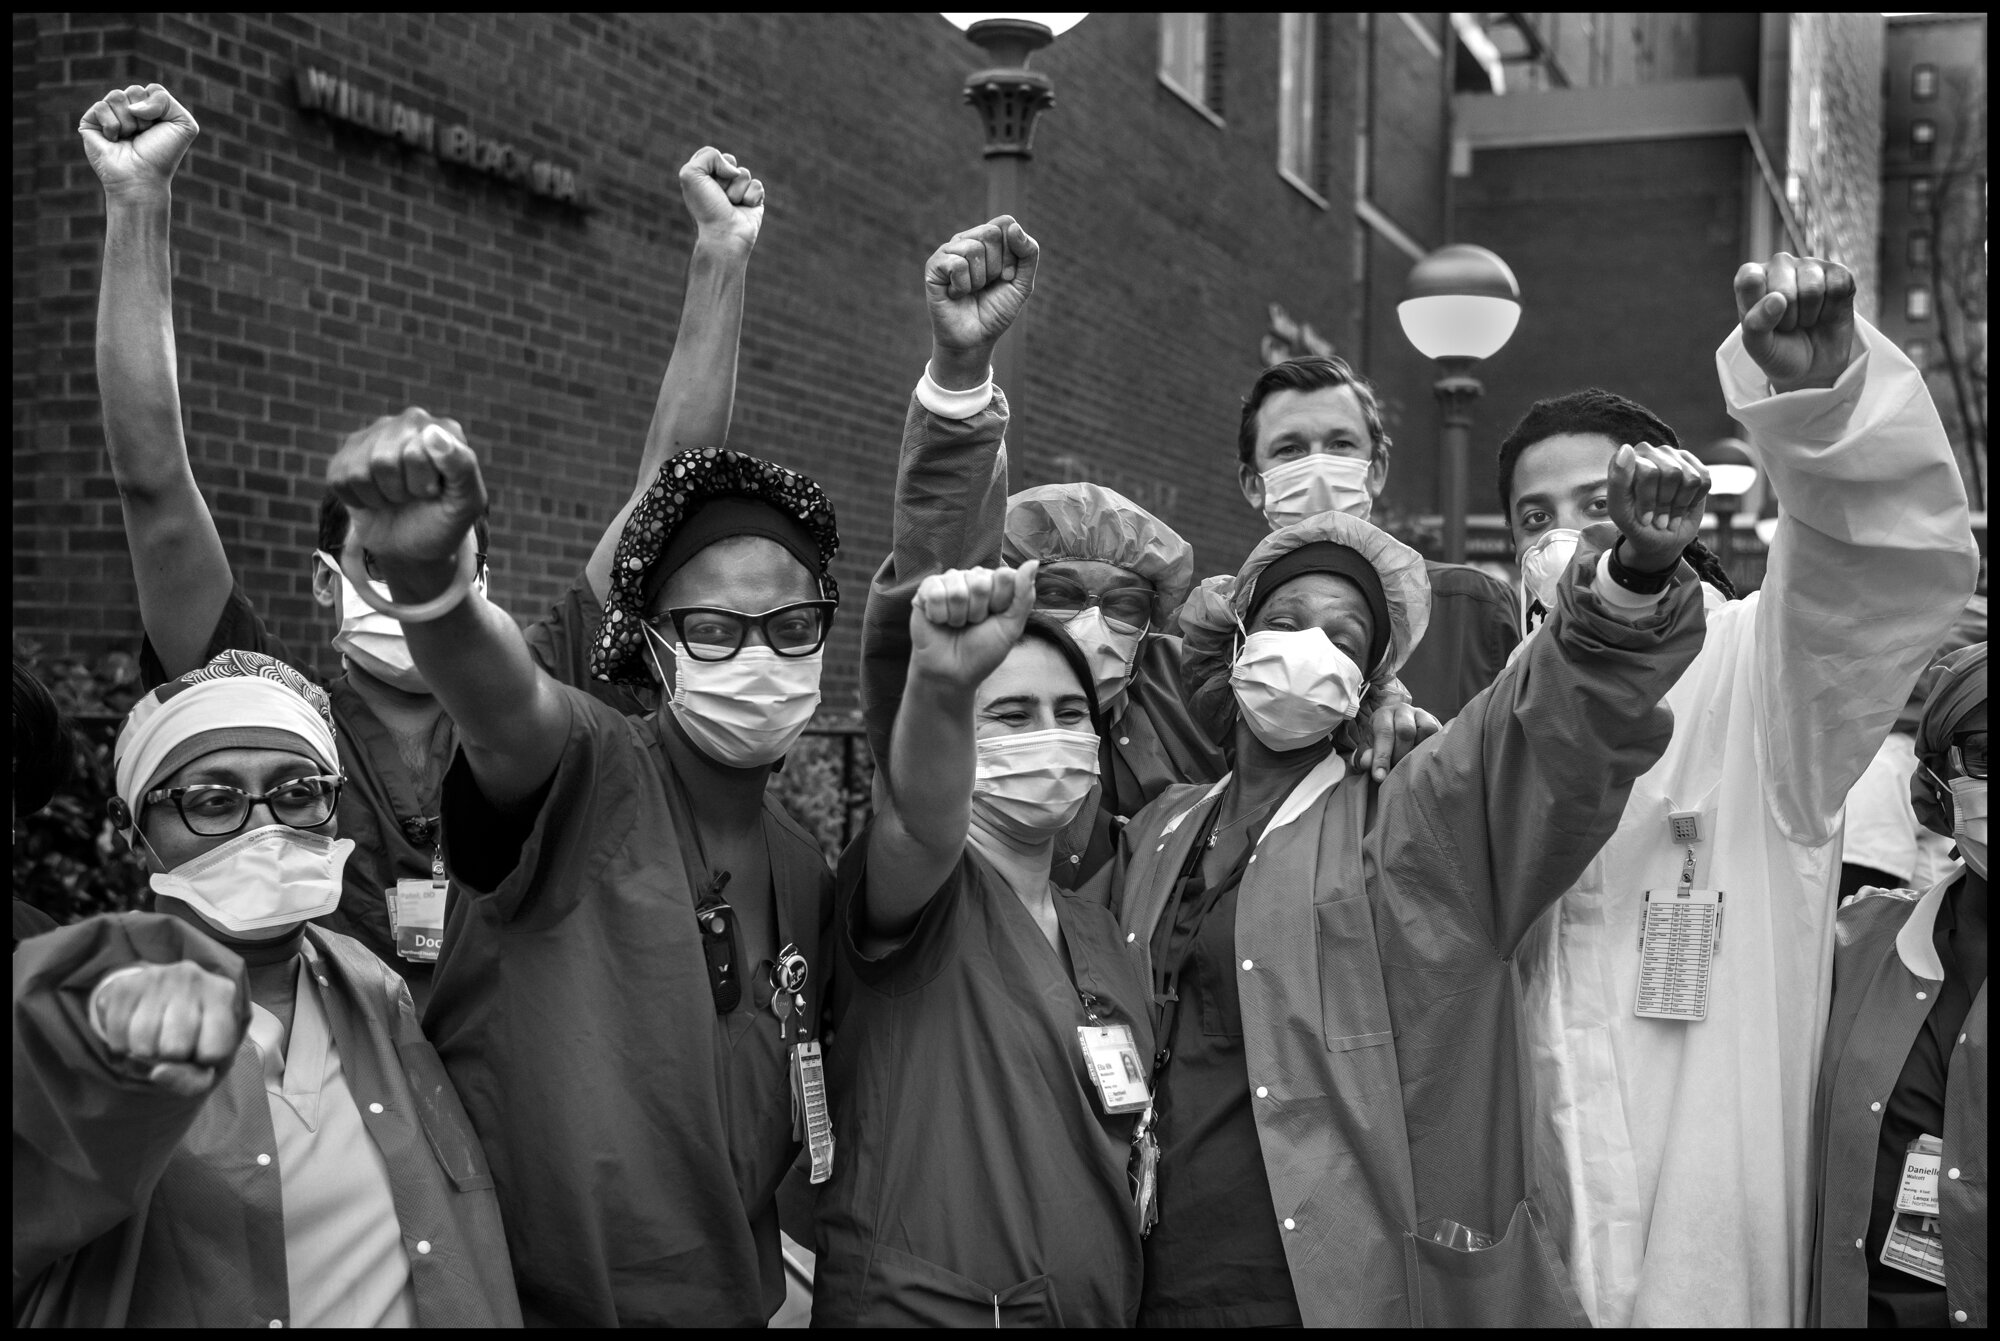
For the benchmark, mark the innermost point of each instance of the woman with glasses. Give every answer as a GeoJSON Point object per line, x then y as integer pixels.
{"type": "Point", "coordinates": [988, 1074]}
{"type": "Point", "coordinates": [1899, 1152]}
{"type": "Point", "coordinates": [631, 984]}
{"type": "Point", "coordinates": [225, 1116]}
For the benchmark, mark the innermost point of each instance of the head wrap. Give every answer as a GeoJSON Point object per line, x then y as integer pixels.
{"type": "Point", "coordinates": [1059, 522]}
{"type": "Point", "coordinates": [686, 484]}
{"type": "Point", "coordinates": [1324, 556]}
{"type": "Point", "coordinates": [1211, 618]}
{"type": "Point", "coordinates": [239, 700]}
{"type": "Point", "coordinates": [1960, 687]}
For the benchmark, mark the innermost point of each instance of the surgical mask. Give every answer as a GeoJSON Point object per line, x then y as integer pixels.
{"type": "Point", "coordinates": [1029, 786]}
{"type": "Point", "coordinates": [1542, 567]}
{"type": "Point", "coordinates": [1315, 484]}
{"type": "Point", "coordinates": [1109, 651]}
{"type": "Point", "coordinates": [1294, 688]}
{"type": "Point", "coordinates": [269, 877]}
{"type": "Point", "coordinates": [1968, 820]}
{"type": "Point", "coordinates": [744, 712]}
{"type": "Point", "coordinates": [372, 640]}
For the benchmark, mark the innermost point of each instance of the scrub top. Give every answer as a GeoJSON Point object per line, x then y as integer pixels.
{"type": "Point", "coordinates": [977, 1179]}
{"type": "Point", "coordinates": [1475, 625]}
{"type": "Point", "coordinates": [389, 813]}
{"type": "Point", "coordinates": [637, 1136]}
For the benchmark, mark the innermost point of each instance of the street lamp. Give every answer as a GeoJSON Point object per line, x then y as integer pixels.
{"type": "Point", "coordinates": [1462, 305]}
{"type": "Point", "coordinates": [1008, 97]}
{"type": "Point", "coordinates": [1732, 473]}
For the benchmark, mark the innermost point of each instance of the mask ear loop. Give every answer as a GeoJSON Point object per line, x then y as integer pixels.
{"type": "Point", "coordinates": [666, 686]}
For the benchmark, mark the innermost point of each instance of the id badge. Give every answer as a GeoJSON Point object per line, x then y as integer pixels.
{"type": "Point", "coordinates": [1915, 1245]}
{"type": "Point", "coordinates": [416, 911]}
{"type": "Point", "coordinates": [1677, 944]}
{"type": "Point", "coordinates": [812, 1123]}
{"type": "Point", "coordinates": [1917, 1193]}
{"type": "Point", "coordinates": [1112, 1056]}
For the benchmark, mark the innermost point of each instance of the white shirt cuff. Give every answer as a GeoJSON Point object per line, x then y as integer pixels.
{"type": "Point", "coordinates": [1617, 597]}
{"type": "Point", "coordinates": [954, 404]}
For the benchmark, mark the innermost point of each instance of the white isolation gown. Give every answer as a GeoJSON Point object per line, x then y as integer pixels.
{"type": "Point", "coordinates": [1682, 1147]}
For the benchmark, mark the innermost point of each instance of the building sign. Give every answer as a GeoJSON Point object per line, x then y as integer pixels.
{"type": "Point", "coordinates": [1289, 339]}
{"type": "Point", "coordinates": [453, 142]}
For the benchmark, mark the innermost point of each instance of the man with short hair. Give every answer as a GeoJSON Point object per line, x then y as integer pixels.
{"type": "Point", "coordinates": [395, 737]}
{"type": "Point", "coordinates": [1312, 440]}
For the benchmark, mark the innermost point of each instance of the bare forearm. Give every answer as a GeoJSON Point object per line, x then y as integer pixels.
{"type": "Point", "coordinates": [136, 368]}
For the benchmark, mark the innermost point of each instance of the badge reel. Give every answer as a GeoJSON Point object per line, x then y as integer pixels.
{"type": "Point", "coordinates": [1679, 937]}
{"type": "Point", "coordinates": [1915, 1242]}
{"type": "Point", "coordinates": [416, 913]}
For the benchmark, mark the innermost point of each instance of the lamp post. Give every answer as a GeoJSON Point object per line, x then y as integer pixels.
{"type": "Point", "coordinates": [1461, 305]}
{"type": "Point", "coordinates": [1009, 97]}
{"type": "Point", "coordinates": [1732, 473]}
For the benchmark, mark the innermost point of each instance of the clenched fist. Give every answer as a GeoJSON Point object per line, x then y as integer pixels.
{"type": "Point", "coordinates": [1798, 319]}
{"type": "Point", "coordinates": [965, 621]}
{"type": "Point", "coordinates": [976, 285]}
{"type": "Point", "coordinates": [724, 200]}
{"type": "Point", "coordinates": [180, 1018]}
{"type": "Point", "coordinates": [135, 138]}
{"type": "Point", "coordinates": [1657, 498]}
{"type": "Point", "coordinates": [412, 485]}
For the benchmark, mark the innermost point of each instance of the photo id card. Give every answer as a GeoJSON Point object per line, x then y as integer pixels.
{"type": "Point", "coordinates": [1111, 1056]}
{"type": "Point", "coordinates": [416, 912]}
{"type": "Point", "coordinates": [1917, 1193]}
{"type": "Point", "coordinates": [1677, 943]}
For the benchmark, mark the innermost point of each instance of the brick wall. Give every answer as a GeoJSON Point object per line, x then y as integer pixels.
{"type": "Point", "coordinates": [325, 276]}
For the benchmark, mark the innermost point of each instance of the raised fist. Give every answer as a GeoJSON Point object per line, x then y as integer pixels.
{"type": "Point", "coordinates": [1657, 498]}
{"type": "Point", "coordinates": [977, 283]}
{"type": "Point", "coordinates": [412, 485]}
{"type": "Point", "coordinates": [1798, 319]}
{"type": "Point", "coordinates": [724, 200]}
{"type": "Point", "coordinates": [180, 1018]}
{"type": "Point", "coordinates": [135, 137]}
{"type": "Point", "coordinates": [965, 621]}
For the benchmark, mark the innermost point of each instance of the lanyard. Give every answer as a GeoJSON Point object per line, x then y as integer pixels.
{"type": "Point", "coordinates": [1168, 986]}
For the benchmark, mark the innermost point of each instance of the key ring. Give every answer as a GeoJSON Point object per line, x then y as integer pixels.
{"type": "Point", "coordinates": [788, 974]}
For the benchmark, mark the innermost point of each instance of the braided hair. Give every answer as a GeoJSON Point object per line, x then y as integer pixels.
{"type": "Point", "coordinates": [1604, 414]}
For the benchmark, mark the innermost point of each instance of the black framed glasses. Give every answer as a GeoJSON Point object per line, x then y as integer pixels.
{"type": "Point", "coordinates": [1127, 609]}
{"type": "Point", "coordinates": [213, 809]}
{"type": "Point", "coordinates": [375, 574]}
{"type": "Point", "coordinates": [1968, 754]}
{"type": "Point", "coordinates": [713, 634]}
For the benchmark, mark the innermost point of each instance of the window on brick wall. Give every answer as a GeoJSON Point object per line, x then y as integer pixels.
{"type": "Point", "coordinates": [1923, 83]}
{"type": "Point", "coordinates": [1920, 249]}
{"type": "Point", "coordinates": [1923, 139]}
{"type": "Point", "coordinates": [1921, 189]}
{"type": "Point", "coordinates": [1301, 114]}
{"type": "Point", "coordinates": [1919, 352]}
{"type": "Point", "coordinates": [1191, 59]}
{"type": "Point", "coordinates": [1917, 303]}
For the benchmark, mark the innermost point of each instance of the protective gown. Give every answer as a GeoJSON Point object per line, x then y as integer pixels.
{"type": "Point", "coordinates": [1682, 1148]}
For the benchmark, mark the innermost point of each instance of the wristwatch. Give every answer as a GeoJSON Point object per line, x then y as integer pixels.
{"type": "Point", "coordinates": [1643, 584]}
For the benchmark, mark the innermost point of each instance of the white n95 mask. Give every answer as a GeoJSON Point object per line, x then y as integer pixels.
{"type": "Point", "coordinates": [746, 711]}
{"type": "Point", "coordinates": [1315, 484]}
{"type": "Point", "coordinates": [372, 640]}
{"type": "Point", "coordinates": [1968, 820]}
{"type": "Point", "coordinates": [1108, 651]}
{"type": "Point", "coordinates": [1294, 688]}
{"type": "Point", "coordinates": [1029, 786]}
{"type": "Point", "coordinates": [1542, 567]}
{"type": "Point", "coordinates": [270, 877]}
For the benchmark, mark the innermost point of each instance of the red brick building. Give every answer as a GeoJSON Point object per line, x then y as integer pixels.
{"type": "Point", "coordinates": [328, 273]}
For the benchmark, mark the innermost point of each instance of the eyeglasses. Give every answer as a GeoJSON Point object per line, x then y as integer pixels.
{"type": "Point", "coordinates": [1126, 609]}
{"type": "Point", "coordinates": [1968, 754]}
{"type": "Point", "coordinates": [375, 574]}
{"type": "Point", "coordinates": [213, 809]}
{"type": "Point", "coordinates": [711, 634]}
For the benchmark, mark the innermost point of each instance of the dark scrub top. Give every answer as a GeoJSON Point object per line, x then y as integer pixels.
{"type": "Point", "coordinates": [977, 1180]}
{"type": "Point", "coordinates": [1474, 626]}
{"type": "Point", "coordinates": [637, 1138]}
{"type": "Point", "coordinates": [1916, 1108]}
{"type": "Point", "coordinates": [1215, 1258]}
{"type": "Point", "coordinates": [30, 921]}
{"type": "Point", "coordinates": [390, 815]}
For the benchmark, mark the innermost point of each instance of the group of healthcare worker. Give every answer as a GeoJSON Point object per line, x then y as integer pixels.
{"type": "Point", "coordinates": [1212, 956]}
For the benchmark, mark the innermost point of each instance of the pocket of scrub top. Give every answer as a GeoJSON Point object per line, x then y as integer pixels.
{"type": "Point", "coordinates": [1517, 1282]}
{"type": "Point", "coordinates": [1354, 1010]}
{"type": "Point", "coordinates": [443, 1118]}
{"type": "Point", "coordinates": [907, 1291]}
